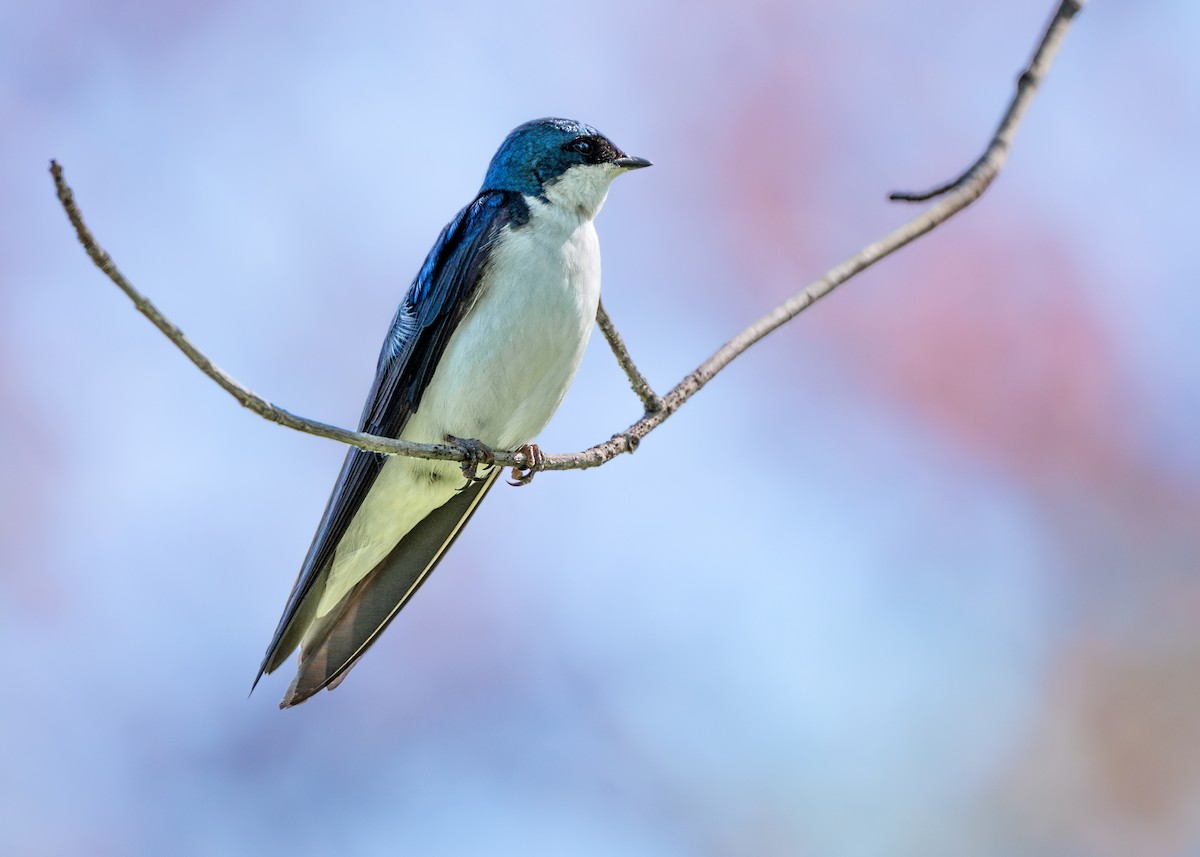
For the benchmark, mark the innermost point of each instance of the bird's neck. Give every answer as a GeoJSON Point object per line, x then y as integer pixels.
{"type": "Point", "coordinates": [580, 191]}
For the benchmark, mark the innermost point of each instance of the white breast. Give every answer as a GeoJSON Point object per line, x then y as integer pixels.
{"type": "Point", "coordinates": [509, 363]}
{"type": "Point", "coordinates": [503, 374]}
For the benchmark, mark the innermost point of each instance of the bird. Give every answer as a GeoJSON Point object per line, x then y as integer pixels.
{"type": "Point", "coordinates": [480, 353]}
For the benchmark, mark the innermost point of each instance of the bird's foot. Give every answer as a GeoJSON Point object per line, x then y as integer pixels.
{"type": "Point", "coordinates": [478, 453]}
{"type": "Point", "coordinates": [535, 459]}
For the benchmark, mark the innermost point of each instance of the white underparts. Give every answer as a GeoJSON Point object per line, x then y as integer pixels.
{"type": "Point", "coordinates": [505, 370]}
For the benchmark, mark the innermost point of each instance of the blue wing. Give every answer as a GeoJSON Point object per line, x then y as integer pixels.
{"type": "Point", "coordinates": [435, 303]}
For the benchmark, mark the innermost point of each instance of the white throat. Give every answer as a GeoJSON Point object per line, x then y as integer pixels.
{"type": "Point", "coordinates": [582, 188]}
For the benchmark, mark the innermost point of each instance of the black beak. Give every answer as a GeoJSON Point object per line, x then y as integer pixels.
{"type": "Point", "coordinates": [630, 163]}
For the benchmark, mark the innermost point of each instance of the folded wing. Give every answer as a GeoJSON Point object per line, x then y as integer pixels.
{"type": "Point", "coordinates": [436, 302]}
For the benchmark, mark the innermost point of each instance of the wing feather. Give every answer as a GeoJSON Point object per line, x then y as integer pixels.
{"type": "Point", "coordinates": [431, 310]}
{"type": "Point", "coordinates": [338, 639]}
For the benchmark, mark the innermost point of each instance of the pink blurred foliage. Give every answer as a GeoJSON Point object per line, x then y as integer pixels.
{"type": "Point", "coordinates": [987, 329]}
{"type": "Point", "coordinates": [993, 340]}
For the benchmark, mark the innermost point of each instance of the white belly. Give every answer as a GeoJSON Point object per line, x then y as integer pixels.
{"type": "Point", "coordinates": [509, 364]}
{"type": "Point", "coordinates": [503, 374]}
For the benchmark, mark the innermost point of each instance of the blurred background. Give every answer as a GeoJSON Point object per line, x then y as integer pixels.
{"type": "Point", "coordinates": [958, 612]}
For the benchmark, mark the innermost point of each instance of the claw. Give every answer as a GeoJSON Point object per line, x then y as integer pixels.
{"type": "Point", "coordinates": [535, 459]}
{"type": "Point", "coordinates": [477, 452]}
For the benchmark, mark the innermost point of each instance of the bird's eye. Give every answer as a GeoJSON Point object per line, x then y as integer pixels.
{"type": "Point", "coordinates": [583, 147]}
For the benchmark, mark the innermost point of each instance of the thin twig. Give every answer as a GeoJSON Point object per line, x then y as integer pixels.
{"type": "Point", "coordinates": [957, 195]}
{"type": "Point", "coordinates": [989, 163]}
{"type": "Point", "coordinates": [651, 401]}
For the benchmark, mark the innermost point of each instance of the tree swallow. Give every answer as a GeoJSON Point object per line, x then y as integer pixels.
{"type": "Point", "coordinates": [482, 348]}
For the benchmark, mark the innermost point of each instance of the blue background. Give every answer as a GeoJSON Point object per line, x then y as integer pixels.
{"type": "Point", "coordinates": [918, 575]}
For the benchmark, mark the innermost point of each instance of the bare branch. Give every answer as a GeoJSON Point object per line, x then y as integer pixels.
{"type": "Point", "coordinates": [651, 401]}
{"type": "Point", "coordinates": [260, 406]}
{"type": "Point", "coordinates": [989, 163]}
{"type": "Point", "coordinates": [956, 195]}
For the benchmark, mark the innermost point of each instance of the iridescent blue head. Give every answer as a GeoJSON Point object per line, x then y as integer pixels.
{"type": "Point", "coordinates": [539, 154]}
